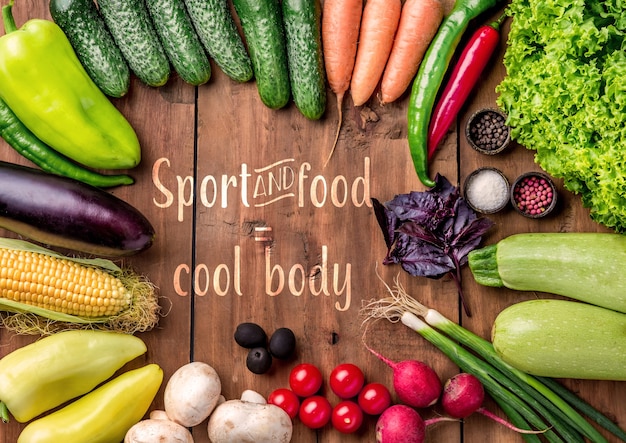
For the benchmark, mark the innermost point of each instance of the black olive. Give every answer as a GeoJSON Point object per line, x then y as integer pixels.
{"type": "Point", "coordinates": [250, 335]}
{"type": "Point", "coordinates": [282, 343]}
{"type": "Point", "coordinates": [259, 360]}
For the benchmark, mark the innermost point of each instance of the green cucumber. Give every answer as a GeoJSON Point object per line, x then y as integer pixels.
{"type": "Point", "coordinates": [304, 56]}
{"type": "Point", "coordinates": [93, 44]}
{"type": "Point", "coordinates": [133, 31]}
{"type": "Point", "coordinates": [180, 41]}
{"type": "Point", "coordinates": [585, 266]}
{"type": "Point", "coordinates": [562, 339]}
{"type": "Point", "coordinates": [262, 24]}
{"type": "Point", "coordinates": [216, 28]}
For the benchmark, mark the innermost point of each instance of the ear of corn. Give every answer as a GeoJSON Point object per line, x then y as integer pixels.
{"type": "Point", "coordinates": [46, 291]}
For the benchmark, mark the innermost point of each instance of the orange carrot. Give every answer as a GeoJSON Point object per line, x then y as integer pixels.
{"type": "Point", "coordinates": [378, 28]}
{"type": "Point", "coordinates": [341, 21]}
{"type": "Point", "coordinates": [419, 22]}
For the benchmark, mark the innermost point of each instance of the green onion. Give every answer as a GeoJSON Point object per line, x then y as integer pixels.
{"type": "Point", "coordinates": [584, 407]}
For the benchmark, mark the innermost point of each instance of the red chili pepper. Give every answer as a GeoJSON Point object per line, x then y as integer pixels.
{"type": "Point", "coordinates": [463, 78]}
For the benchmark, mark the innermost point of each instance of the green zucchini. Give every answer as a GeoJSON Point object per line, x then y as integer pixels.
{"type": "Point", "coordinates": [93, 44]}
{"type": "Point", "coordinates": [562, 339]}
{"type": "Point", "coordinates": [589, 267]}
{"type": "Point", "coordinates": [134, 33]}
{"type": "Point", "coordinates": [262, 24]}
{"type": "Point", "coordinates": [216, 28]}
{"type": "Point", "coordinates": [180, 41]}
{"type": "Point", "coordinates": [304, 56]}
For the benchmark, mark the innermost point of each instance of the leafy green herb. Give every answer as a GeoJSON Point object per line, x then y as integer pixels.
{"type": "Point", "coordinates": [431, 233]}
{"type": "Point", "coordinates": [565, 96]}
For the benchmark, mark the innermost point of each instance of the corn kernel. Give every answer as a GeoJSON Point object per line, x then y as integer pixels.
{"type": "Point", "coordinates": [60, 284]}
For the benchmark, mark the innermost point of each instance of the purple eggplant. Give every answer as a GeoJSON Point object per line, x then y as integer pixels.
{"type": "Point", "coordinates": [62, 212]}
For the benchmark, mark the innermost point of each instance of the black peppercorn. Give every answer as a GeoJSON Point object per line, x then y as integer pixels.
{"type": "Point", "coordinates": [487, 131]}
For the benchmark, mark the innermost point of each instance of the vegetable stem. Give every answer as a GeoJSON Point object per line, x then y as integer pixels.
{"type": "Point", "coordinates": [7, 18]}
{"type": "Point", "coordinates": [583, 406]}
{"type": "Point", "coordinates": [4, 412]}
{"type": "Point", "coordinates": [517, 420]}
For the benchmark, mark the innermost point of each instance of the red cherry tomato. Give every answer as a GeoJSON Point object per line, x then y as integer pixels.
{"type": "Point", "coordinates": [305, 379]}
{"type": "Point", "coordinates": [315, 412]}
{"type": "Point", "coordinates": [346, 380]}
{"type": "Point", "coordinates": [374, 398]}
{"type": "Point", "coordinates": [347, 417]}
{"type": "Point", "coordinates": [285, 399]}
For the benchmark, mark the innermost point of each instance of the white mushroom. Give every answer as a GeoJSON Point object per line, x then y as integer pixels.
{"type": "Point", "coordinates": [159, 414]}
{"type": "Point", "coordinates": [158, 430]}
{"type": "Point", "coordinates": [240, 421]}
{"type": "Point", "coordinates": [192, 393]}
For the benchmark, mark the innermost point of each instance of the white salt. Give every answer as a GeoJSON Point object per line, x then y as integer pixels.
{"type": "Point", "coordinates": [487, 190]}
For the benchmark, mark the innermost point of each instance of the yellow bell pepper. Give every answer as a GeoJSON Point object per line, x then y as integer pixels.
{"type": "Point", "coordinates": [45, 374]}
{"type": "Point", "coordinates": [102, 416]}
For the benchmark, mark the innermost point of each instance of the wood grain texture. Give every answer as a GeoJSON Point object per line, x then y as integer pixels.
{"type": "Point", "coordinates": [218, 165]}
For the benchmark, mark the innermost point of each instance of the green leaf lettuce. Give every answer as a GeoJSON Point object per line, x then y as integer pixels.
{"type": "Point", "coordinates": [565, 95]}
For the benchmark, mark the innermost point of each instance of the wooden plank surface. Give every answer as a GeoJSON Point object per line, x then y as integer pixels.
{"type": "Point", "coordinates": [217, 164]}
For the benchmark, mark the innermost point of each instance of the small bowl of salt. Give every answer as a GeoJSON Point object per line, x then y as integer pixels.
{"type": "Point", "coordinates": [486, 190]}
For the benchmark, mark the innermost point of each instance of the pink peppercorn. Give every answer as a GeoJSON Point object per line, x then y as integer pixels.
{"type": "Point", "coordinates": [533, 195]}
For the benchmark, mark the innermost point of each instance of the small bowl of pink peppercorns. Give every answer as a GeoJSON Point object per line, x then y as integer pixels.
{"type": "Point", "coordinates": [533, 194]}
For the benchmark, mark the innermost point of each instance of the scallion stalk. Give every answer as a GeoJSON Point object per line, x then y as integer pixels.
{"type": "Point", "coordinates": [581, 405]}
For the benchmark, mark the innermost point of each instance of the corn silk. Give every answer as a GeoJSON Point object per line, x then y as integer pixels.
{"type": "Point", "coordinates": [565, 96]}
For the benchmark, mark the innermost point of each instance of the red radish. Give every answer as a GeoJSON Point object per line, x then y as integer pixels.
{"type": "Point", "coordinates": [400, 424]}
{"type": "Point", "coordinates": [416, 383]}
{"type": "Point", "coordinates": [464, 394]}
{"type": "Point", "coordinates": [341, 22]}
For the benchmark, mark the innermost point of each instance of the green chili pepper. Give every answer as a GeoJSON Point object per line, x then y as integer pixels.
{"type": "Point", "coordinates": [430, 76]}
{"type": "Point", "coordinates": [44, 84]}
{"type": "Point", "coordinates": [102, 416]}
{"type": "Point", "coordinates": [47, 373]}
{"type": "Point", "coordinates": [20, 138]}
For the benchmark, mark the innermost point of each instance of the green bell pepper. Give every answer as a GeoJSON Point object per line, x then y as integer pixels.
{"type": "Point", "coordinates": [45, 374]}
{"type": "Point", "coordinates": [45, 85]}
{"type": "Point", "coordinates": [102, 416]}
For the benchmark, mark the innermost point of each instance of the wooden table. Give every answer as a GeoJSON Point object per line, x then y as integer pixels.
{"type": "Point", "coordinates": [217, 165]}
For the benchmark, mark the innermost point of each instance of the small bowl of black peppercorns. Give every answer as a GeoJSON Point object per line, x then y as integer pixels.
{"type": "Point", "coordinates": [487, 131]}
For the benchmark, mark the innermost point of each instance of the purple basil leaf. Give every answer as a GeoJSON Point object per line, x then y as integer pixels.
{"type": "Point", "coordinates": [386, 221]}
{"type": "Point", "coordinates": [419, 207]}
{"type": "Point", "coordinates": [419, 232]}
{"type": "Point", "coordinates": [430, 233]}
{"type": "Point", "coordinates": [421, 259]}
{"type": "Point", "coordinates": [470, 238]}
{"type": "Point", "coordinates": [473, 231]}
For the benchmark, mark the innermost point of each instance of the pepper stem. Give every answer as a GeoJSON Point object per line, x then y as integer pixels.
{"type": "Point", "coordinates": [7, 18]}
{"type": "Point", "coordinates": [4, 413]}
{"type": "Point", "coordinates": [498, 22]}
